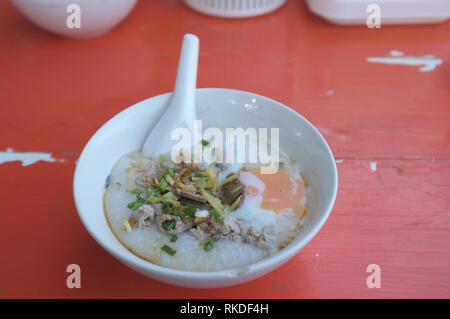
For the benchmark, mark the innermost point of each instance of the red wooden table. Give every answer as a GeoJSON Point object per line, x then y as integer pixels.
{"type": "Point", "coordinates": [388, 126]}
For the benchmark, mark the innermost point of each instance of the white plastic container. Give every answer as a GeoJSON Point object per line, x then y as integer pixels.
{"type": "Point", "coordinates": [234, 8]}
{"type": "Point", "coordinates": [391, 11]}
{"type": "Point", "coordinates": [97, 16]}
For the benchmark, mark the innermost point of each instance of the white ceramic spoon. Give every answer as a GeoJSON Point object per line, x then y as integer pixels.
{"type": "Point", "coordinates": [180, 112]}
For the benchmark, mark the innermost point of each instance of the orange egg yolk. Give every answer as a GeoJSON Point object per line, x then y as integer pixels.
{"type": "Point", "coordinates": [281, 193]}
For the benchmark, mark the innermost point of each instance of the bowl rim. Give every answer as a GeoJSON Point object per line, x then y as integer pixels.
{"type": "Point", "coordinates": [268, 262]}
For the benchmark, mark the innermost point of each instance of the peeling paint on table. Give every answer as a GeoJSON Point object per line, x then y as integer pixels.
{"type": "Point", "coordinates": [26, 158]}
{"type": "Point", "coordinates": [427, 62]}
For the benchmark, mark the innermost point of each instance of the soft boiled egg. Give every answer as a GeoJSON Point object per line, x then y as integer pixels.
{"type": "Point", "coordinates": [272, 202]}
{"type": "Point", "coordinates": [278, 193]}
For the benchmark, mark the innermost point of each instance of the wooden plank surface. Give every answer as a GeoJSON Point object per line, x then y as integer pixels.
{"type": "Point", "coordinates": [55, 93]}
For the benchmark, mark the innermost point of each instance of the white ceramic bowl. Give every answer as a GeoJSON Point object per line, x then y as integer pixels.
{"type": "Point", "coordinates": [97, 16]}
{"type": "Point", "coordinates": [127, 132]}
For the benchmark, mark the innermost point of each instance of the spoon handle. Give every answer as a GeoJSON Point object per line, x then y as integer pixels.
{"type": "Point", "coordinates": [185, 83]}
{"type": "Point", "coordinates": [180, 112]}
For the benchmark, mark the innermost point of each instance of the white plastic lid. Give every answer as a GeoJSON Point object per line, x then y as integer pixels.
{"type": "Point", "coordinates": [234, 8]}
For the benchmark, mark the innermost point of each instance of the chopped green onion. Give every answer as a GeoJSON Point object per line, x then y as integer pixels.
{"type": "Point", "coordinates": [154, 196]}
{"type": "Point", "coordinates": [170, 201]}
{"type": "Point", "coordinates": [137, 203]}
{"type": "Point", "coordinates": [216, 215]}
{"type": "Point", "coordinates": [136, 191]}
{"type": "Point", "coordinates": [168, 224]}
{"type": "Point", "coordinates": [176, 212]}
{"type": "Point", "coordinates": [169, 179]}
{"type": "Point", "coordinates": [170, 195]}
{"type": "Point", "coordinates": [190, 210]}
{"type": "Point", "coordinates": [205, 142]}
{"type": "Point", "coordinates": [174, 238]}
{"type": "Point", "coordinates": [171, 171]}
{"type": "Point", "coordinates": [209, 244]}
{"type": "Point", "coordinates": [119, 184]}
{"type": "Point", "coordinates": [280, 165]}
{"type": "Point", "coordinates": [213, 201]}
{"type": "Point", "coordinates": [201, 182]}
{"type": "Point", "coordinates": [162, 185]}
{"type": "Point", "coordinates": [153, 200]}
{"type": "Point", "coordinates": [166, 207]}
{"type": "Point", "coordinates": [168, 250]}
